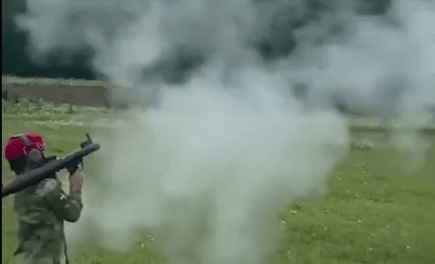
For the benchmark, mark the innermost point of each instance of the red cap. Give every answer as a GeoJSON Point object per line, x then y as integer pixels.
{"type": "Point", "coordinates": [15, 148]}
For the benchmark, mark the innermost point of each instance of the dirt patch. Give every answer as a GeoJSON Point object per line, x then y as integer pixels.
{"type": "Point", "coordinates": [96, 96]}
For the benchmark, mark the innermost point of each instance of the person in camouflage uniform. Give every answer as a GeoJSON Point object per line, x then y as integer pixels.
{"type": "Point", "coordinates": [42, 209]}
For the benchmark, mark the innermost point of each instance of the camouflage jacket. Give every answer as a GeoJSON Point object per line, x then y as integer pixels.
{"type": "Point", "coordinates": [41, 211]}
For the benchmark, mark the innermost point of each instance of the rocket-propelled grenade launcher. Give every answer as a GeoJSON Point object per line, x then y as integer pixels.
{"type": "Point", "coordinates": [49, 169]}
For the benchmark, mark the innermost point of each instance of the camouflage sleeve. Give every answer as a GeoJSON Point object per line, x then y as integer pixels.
{"type": "Point", "coordinates": [66, 207]}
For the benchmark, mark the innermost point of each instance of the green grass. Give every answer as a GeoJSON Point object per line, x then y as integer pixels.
{"type": "Point", "coordinates": [49, 81]}
{"type": "Point", "coordinates": [372, 213]}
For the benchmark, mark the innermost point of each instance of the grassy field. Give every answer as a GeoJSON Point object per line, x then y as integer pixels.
{"type": "Point", "coordinates": [372, 213]}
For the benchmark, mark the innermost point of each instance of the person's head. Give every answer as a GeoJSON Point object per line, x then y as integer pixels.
{"type": "Point", "coordinates": [23, 150]}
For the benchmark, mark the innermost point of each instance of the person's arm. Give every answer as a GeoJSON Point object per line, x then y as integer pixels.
{"type": "Point", "coordinates": [66, 207]}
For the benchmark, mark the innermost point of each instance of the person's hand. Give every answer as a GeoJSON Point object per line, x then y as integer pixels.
{"type": "Point", "coordinates": [76, 181]}
{"type": "Point", "coordinates": [73, 167]}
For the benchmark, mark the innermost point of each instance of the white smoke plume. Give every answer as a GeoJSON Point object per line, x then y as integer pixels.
{"type": "Point", "coordinates": [229, 145]}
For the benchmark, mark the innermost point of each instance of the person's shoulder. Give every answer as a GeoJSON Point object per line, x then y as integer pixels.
{"type": "Point", "coordinates": [48, 186]}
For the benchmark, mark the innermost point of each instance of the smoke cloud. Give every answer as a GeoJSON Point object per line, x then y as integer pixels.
{"type": "Point", "coordinates": [243, 119]}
